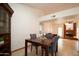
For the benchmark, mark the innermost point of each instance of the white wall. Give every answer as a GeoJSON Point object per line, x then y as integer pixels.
{"type": "Point", "coordinates": [60, 14]}
{"type": "Point", "coordinates": [24, 21]}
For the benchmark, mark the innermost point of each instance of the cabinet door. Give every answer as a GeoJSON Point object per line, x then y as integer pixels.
{"type": "Point", "coordinates": [4, 21]}
{"type": "Point", "coordinates": [5, 24]}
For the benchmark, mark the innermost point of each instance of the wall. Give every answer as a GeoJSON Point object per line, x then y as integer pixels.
{"type": "Point", "coordinates": [73, 11]}
{"type": "Point", "coordinates": [24, 21]}
{"type": "Point", "coordinates": [49, 27]}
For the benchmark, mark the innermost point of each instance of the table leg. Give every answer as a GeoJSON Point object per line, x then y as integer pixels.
{"type": "Point", "coordinates": [57, 47]}
{"type": "Point", "coordinates": [56, 50]}
{"type": "Point", "coordinates": [25, 48]}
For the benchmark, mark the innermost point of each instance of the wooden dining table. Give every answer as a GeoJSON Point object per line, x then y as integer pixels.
{"type": "Point", "coordinates": [45, 43]}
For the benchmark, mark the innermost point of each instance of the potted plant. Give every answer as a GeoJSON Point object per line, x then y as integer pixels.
{"type": "Point", "coordinates": [1, 40]}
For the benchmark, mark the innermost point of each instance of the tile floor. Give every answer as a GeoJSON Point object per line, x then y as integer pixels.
{"type": "Point", "coordinates": [66, 47]}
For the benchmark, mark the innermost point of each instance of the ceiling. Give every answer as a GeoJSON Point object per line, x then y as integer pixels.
{"type": "Point", "coordinates": [48, 8]}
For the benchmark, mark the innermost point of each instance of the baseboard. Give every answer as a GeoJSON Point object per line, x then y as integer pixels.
{"type": "Point", "coordinates": [18, 49]}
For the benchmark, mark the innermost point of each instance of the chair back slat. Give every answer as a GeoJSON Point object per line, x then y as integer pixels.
{"type": "Point", "coordinates": [33, 36]}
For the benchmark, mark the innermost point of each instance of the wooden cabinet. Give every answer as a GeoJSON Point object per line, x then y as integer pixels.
{"type": "Point", "coordinates": [5, 29]}
{"type": "Point", "coordinates": [71, 33]}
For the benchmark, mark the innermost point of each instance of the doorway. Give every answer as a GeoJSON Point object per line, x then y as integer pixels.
{"type": "Point", "coordinates": [60, 31]}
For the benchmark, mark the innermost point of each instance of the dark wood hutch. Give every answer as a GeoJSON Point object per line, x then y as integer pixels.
{"type": "Point", "coordinates": [5, 29]}
{"type": "Point", "coordinates": [71, 33]}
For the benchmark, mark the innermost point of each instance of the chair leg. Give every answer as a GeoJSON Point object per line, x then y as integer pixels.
{"type": "Point", "coordinates": [52, 54]}
{"type": "Point", "coordinates": [36, 49]}
{"type": "Point", "coordinates": [31, 48]}
{"type": "Point", "coordinates": [42, 51]}
{"type": "Point", "coordinates": [55, 53]}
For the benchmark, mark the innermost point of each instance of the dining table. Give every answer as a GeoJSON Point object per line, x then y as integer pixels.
{"type": "Point", "coordinates": [43, 42]}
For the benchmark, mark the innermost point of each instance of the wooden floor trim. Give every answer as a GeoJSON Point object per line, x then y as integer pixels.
{"type": "Point", "coordinates": [19, 49]}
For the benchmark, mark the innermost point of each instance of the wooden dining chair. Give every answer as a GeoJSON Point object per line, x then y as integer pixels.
{"type": "Point", "coordinates": [34, 36]}
{"type": "Point", "coordinates": [53, 48]}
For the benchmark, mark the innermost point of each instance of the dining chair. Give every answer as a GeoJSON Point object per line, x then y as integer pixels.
{"type": "Point", "coordinates": [53, 48]}
{"type": "Point", "coordinates": [49, 35]}
{"type": "Point", "coordinates": [34, 36]}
